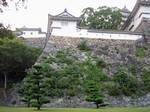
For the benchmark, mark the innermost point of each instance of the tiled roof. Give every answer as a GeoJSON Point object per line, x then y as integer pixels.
{"type": "Point", "coordinates": [65, 15]}
{"type": "Point", "coordinates": [125, 10]}
{"type": "Point", "coordinates": [30, 29]}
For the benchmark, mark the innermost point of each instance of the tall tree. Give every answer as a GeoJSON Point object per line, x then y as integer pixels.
{"type": "Point", "coordinates": [89, 11]}
{"type": "Point", "coordinates": [94, 78]}
{"type": "Point", "coordinates": [15, 58]}
{"type": "Point", "coordinates": [35, 87]}
{"type": "Point", "coordinates": [101, 18]}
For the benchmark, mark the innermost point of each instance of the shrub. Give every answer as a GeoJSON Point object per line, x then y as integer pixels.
{"type": "Point", "coordinates": [101, 63]}
{"type": "Point", "coordinates": [113, 89]}
{"type": "Point", "coordinates": [141, 52]}
{"type": "Point", "coordinates": [83, 46]}
{"type": "Point", "coordinates": [127, 84]}
{"type": "Point", "coordinates": [146, 80]}
{"type": "Point", "coordinates": [133, 69]}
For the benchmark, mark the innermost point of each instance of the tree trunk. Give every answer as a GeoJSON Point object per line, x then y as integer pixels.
{"type": "Point", "coordinates": [97, 106]}
{"type": "Point", "coordinates": [38, 108]}
{"type": "Point", "coordinates": [5, 85]}
{"type": "Point", "coordinates": [38, 104]}
{"type": "Point", "coordinates": [28, 104]}
{"type": "Point", "coordinates": [38, 98]}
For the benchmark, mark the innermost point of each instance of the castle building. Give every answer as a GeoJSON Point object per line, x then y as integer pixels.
{"type": "Point", "coordinates": [125, 14]}
{"type": "Point", "coordinates": [65, 25]}
{"type": "Point", "coordinates": [139, 19]}
{"type": "Point", "coordinates": [62, 23]}
{"type": "Point", "coordinates": [30, 32]}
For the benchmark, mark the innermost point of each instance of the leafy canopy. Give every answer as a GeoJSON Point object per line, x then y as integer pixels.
{"type": "Point", "coordinates": [101, 18]}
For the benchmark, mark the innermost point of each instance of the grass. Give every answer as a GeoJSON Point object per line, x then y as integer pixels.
{"type": "Point", "coordinates": [129, 109]}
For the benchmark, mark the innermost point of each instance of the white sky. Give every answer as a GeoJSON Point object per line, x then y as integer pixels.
{"type": "Point", "coordinates": [36, 14]}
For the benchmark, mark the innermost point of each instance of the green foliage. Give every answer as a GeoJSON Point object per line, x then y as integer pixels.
{"type": "Point", "coordinates": [141, 52]}
{"type": "Point", "coordinates": [83, 46]}
{"type": "Point", "coordinates": [126, 84]}
{"type": "Point", "coordinates": [15, 57]}
{"type": "Point", "coordinates": [94, 93]}
{"type": "Point", "coordinates": [101, 63]}
{"type": "Point", "coordinates": [101, 18]}
{"type": "Point", "coordinates": [113, 89]}
{"type": "Point", "coordinates": [133, 69]}
{"type": "Point", "coordinates": [94, 76]}
{"type": "Point", "coordinates": [68, 76]}
{"type": "Point", "coordinates": [146, 80]}
{"type": "Point", "coordinates": [35, 86]}
{"type": "Point", "coordinates": [6, 33]}
{"type": "Point", "coordinates": [65, 78]}
{"type": "Point", "coordinates": [63, 57]}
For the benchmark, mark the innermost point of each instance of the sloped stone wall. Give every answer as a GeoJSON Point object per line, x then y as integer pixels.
{"type": "Point", "coordinates": [114, 52]}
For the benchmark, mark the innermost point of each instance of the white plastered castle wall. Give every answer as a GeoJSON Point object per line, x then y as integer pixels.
{"type": "Point", "coordinates": [70, 30]}
{"type": "Point", "coordinates": [32, 34]}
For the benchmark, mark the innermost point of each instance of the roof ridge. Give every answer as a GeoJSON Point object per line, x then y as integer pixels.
{"type": "Point", "coordinates": [65, 11]}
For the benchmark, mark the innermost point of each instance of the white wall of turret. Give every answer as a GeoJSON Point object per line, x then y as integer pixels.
{"type": "Point", "coordinates": [143, 12]}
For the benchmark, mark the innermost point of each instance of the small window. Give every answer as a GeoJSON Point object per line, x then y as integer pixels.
{"type": "Point", "coordinates": [131, 27]}
{"type": "Point", "coordinates": [64, 23]}
{"type": "Point", "coordinates": [31, 33]}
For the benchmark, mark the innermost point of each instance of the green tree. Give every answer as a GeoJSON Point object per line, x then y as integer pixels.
{"type": "Point", "coordinates": [66, 78]}
{"type": "Point", "coordinates": [89, 11]}
{"type": "Point", "coordinates": [126, 83]}
{"type": "Point", "coordinates": [15, 58]}
{"type": "Point", "coordinates": [25, 91]}
{"type": "Point", "coordinates": [6, 33]}
{"type": "Point", "coordinates": [94, 93]}
{"type": "Point", "coordinates": [35, 87]}
{"type": "Point", "coordinates": [94, 78]}
{"type": "Point", "coordinates": [101, 18]}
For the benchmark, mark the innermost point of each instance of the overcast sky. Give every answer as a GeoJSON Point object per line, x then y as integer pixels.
{"type": "Point", "coordinates": [36, 13]}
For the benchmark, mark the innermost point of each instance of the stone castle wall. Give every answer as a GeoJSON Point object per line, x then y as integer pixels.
{"type": "Point", "coordinates": [114, 52]}
{"type": "Point", "coordinates": [65, 42]}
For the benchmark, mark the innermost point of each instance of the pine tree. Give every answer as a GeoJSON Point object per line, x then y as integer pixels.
{"type": "Point", "coordinates": [94, 76]}
{"type": "Point", "coordinates": [94, 93]}
{"type": "Point", "coordinates": [35, 87]}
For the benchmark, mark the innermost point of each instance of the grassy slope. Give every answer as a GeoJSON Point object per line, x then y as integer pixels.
{"type": "Point", "coordinates": [8, 109]}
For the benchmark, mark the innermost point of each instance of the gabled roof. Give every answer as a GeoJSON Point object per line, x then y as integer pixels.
{"type": "Point", "coordinates": [64, 16]}
{"type": "Point", "coordinates": [65, 13]}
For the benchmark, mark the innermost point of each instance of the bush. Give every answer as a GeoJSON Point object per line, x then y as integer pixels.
{"type": "Point", "coordinates": [141, 52]}
{"type": "Point", "coordinates": [83, 46]}
{"type": "Point", "coordinates": [127, 84]}
{"type": "Point", "coordinates": [5, 33]}
{"type": "Point", "coordinates": [114, 90]}
{"type": "Point", "coordinates": [101, 63]}
{"type": "Point", "coordinates": [146, 80]}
